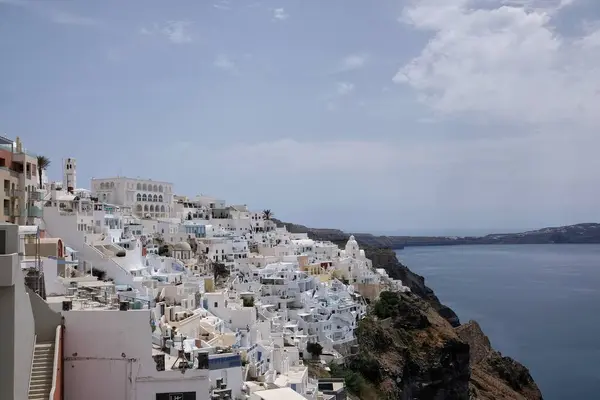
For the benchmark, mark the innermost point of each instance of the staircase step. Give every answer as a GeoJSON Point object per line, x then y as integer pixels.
{"type": "Point", "coordinates": [41, 386]}
{"type": "Point", "coordinates": [43, 391]}
{"type": "Point", "coordinates": [41, 378]}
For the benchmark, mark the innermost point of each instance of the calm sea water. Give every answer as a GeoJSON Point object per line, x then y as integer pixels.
{"type": "Point", "coordinates": [539, 304]}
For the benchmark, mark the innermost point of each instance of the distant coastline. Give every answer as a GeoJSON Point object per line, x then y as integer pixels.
{"type": "Point", "coordinates": [584, 233]}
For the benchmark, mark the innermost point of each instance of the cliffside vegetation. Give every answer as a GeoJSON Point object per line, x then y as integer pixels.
{"type": "Point", "coordinates": [408, 351]}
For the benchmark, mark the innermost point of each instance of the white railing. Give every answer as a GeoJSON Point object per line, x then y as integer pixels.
{"type": "Point", "coordinates": [57, 354]}
{"type": "Point", "coordinates": [106, 257]}
{"type": "Point", "coordinates": [31, 367]}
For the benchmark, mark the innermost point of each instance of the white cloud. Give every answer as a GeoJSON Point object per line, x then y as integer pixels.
{"type": "Point", "coordinates": [431, 179]}
{"type": "Point", "coordinates": [353, 61]}
{"type": "Point", "coordinates": [280, 14]}
{"type": "Point", "coordinates": [506, 61]}
{"type": "Point", "coordinates": [223, 5]}
{"type": "Point", "coordinates": [177, 31]}
{"type": "Point", "coordinates": [344, 88]}
{"type": "Point", "coordinates": [225, 63]}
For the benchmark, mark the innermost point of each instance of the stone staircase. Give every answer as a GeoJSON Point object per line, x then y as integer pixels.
{"type": "Point", "coordinates": [40, 383]}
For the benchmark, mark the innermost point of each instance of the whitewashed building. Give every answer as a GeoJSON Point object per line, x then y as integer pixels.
{"type": "Point", "coordinates": [145, 197]}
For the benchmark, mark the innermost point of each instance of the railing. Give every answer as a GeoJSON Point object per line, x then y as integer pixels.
{"type": "Point", "coordinates": [32, 357]}
{"type": "Point", "coordinates": [34, 211]}
{"type": "Point", "coordinates": [57, 358]}
{"type": "Point", "coordinates": [108, 258]}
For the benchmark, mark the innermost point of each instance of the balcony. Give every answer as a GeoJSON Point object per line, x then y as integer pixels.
{"type": "Point", "coordinates": [35, 212]}
{"type": "Point", "coordinates": [13, 174]}
{"type": "Point", "coordinates": [35, 196]}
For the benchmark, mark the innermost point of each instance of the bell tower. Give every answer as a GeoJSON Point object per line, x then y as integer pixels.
{"type": "Point", "coordinates": [69, 174]}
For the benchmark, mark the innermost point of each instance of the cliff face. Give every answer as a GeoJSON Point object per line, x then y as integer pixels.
{"type": "Point", "coordinates": [492, 375]}
{"type": "Point", "coordinates": [411, 346]}
{"type": "Point", "coordinates": [386, 259]}
{"type": "Point", "coordinates": [408, 351]}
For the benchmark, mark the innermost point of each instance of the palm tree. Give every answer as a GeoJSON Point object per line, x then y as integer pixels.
{"type": "Point", "coordinates": [267, 214]}
{"type": "Point", "coordinates": [43, 163]}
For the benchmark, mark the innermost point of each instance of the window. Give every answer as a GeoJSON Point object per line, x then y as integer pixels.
{"type": "Point", "coordinates": [144, 197]}
{"type": "Point", "coordinates": [139, 197]}
{"type": "Point", "coordinates": [144, 187]}
{"type": "Point", "coordinates": [155, 188]}
{"type": "Point", "coordinates": [160, 188]}
{"type": "Point", "coordinates": [160, 198]}
{"type": "Point", "coordinates": [216, 304]}
{"type": "Point", "coordinates": [139, 186]}
{"type": "Point", "coordinates": [162, 208]}
{"type": "Point", "coordinates": [155, 198]}
{"type": "Point", "coordinates": [146, 207]}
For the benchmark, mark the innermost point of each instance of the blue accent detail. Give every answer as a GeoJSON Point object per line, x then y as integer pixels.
{"type": "Point", "coordinates": [224, 362]}
{"type": "Point", "coordinates": [294, 387]}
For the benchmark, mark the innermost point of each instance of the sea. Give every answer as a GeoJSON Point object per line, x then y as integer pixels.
{"type": "Point", "coordinates": [539, 304]}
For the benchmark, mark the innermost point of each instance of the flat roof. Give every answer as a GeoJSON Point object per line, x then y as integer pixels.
{"type": "Point", "coordinates": [28, 229]}
{"type": "Point", "coordinates": [279, 394]}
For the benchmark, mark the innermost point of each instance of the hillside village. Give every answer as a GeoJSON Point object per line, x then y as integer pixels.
{"type": "Point", "coordinates": [135, 292]}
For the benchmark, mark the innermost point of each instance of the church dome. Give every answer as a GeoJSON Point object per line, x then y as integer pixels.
{"type": "Point", "coordinates": [184, 246]}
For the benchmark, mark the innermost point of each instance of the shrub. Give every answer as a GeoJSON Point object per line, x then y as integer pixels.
{"type": "Point", "coordinates": [315, 349]}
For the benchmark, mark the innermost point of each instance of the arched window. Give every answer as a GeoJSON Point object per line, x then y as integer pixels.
{"type": "Point", "coordinates": [160, 188]}
{"type": "Point", "coordinates": [144, 187]}
{"type": "Point", "coordinates": [146, 207]}
{"type": "Point", "coordinates": [155, 198]}
{"type": "Point", "coordinates": [112, 184]}
{"type": "Point", "coordinates": [162, 208]}
{"type": "Point", "coordinates": [151, 208]}
{"type": "Point", "coordinates": [101, 185]}
{"type": "Point", "coordinates": [160, 198]}
{"type": "Point", "coordinates": [139, 197]}
{"type": "Point", "coordinates": [155, 188]}
{"type": "Point", "coordinates": [139, 206]}
{"type": "Point", "coordinates": [139, 186]}
{"type": "Point", "coordinates": [144, 198]}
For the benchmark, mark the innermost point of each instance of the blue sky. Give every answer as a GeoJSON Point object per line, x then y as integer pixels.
{"type": "Point", "coordinates": [375, 116]}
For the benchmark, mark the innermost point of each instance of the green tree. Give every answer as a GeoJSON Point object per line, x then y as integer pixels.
{"type": "Point", "coordinates": [267, 214]}
{"type": "Point", "coordinates": [43, 163]}
{"type": "Point", "coordinates": [315, 349]}
{"type": "Point", "coordinates": [164, 251]}
{"type": "Point", "coordinates": [220, 270]}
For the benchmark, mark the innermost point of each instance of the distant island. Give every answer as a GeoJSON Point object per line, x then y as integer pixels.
{"type": "Point", "coordinates": [585, 233]}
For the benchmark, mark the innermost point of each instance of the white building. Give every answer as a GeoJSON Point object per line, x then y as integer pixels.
{"type": "Point", "coordinates": [145, 197]}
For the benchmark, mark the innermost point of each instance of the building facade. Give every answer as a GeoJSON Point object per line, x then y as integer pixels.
{"type": "Point", "coordinates": [147, 198]}
{"type": "Point", "coordinates": [19, 175]}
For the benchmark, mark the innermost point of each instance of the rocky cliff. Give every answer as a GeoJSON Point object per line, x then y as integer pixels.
{"type": "Point", "coordinates": [411, 346]}
{"type": "Point", "coordinates": [408, 351]}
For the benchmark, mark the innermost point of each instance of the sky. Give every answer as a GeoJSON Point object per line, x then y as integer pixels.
{"type": "Point", "coordinates": [407, 116]}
